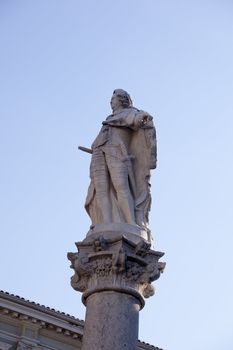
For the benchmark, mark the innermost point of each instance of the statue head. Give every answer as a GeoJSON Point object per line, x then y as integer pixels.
{"type": "Point", "coordinates": [120, 99]}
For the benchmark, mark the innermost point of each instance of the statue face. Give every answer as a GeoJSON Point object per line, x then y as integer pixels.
{"type": "Point", "coordinates": [115, 102]}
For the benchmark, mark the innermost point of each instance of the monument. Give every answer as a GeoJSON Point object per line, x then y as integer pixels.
{"type": "Point", "coordinates": [115, 263]}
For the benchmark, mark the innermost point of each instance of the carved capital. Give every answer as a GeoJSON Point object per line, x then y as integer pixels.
{"type": "Point", "coordinates": [116, 264]}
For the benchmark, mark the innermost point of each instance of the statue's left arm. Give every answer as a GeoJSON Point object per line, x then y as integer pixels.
{"type": "Point", "coordinates": [134, 119]}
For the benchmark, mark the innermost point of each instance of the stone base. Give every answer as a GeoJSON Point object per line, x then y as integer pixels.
{"type": "Point", "coordinates": [133, 232]}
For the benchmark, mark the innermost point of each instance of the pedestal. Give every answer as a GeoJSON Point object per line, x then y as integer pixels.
{"type": "Point", "coordinates": [114, 271]}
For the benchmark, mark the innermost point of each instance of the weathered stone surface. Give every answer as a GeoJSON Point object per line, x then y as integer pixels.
{"type": "Point", "coordinates": [123, 154]}
{"type": "Point", "coordinates": [111, 321]}
{"type": "Point", "coordinates": [114, 273]}
{"type": "Point", "coordinates": [113, 230]}
{"type": "Point", "coordinates": [116, 264]}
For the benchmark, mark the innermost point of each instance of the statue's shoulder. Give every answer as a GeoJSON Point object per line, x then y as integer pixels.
{"type": "Point", "coordinates": [129, 111]}
{"type": "Point", "coordinates": [109, 116]}
{"type": "Point", "coordinates": [121, 114]}
{"type": "Point", "coordinates": [133, 109]}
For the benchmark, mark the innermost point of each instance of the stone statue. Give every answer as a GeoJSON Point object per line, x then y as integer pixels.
{"type": "Point", "coordinates": [122, 155]}
{"type": "Point", "coordinates": [115, 265]}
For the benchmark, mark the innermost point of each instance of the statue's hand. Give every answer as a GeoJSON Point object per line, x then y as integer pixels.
{"type": "Point", "coordinates": [144, 118]}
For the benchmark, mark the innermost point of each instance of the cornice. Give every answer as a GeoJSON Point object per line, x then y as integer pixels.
{"type": "Point", "coordinates": [45, 309]}
{"type": "Point", "coordinates": [147, 346]}
{"type": "Point", "coordinates": [40, 316]}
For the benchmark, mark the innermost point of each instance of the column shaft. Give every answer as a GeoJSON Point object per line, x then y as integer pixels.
{"type": "Point", "coordinates": [111, 321]}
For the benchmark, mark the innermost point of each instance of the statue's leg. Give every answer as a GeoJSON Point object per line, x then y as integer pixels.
{"type": "Point", "coordinates": [120, 180]}
{"type": "Point", "coordinates": [100, 176]}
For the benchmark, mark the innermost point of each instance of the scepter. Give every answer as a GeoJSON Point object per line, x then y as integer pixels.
{"type": "Point", "coordinates": [85, 149]}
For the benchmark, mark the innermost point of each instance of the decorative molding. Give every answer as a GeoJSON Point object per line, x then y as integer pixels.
{"type": "Point", "coordinates": [4, 346]}
{"type": "Point", "coordinates": [117, 264]}
{"type": "Point", "coordinates": [6, 297]}
{"type": "Point", "coordinates": [67, 330]}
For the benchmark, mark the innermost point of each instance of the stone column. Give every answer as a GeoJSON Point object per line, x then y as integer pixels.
{"type": "Point", "coordinates": [114, 271]}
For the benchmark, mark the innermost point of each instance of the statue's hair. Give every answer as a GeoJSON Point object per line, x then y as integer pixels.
{"type": "Point", "coordinates": [124, 97]}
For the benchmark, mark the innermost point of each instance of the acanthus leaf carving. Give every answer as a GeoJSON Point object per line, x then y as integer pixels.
{"type": "Point", "coordinates": [102, 267]}
{"type": "Point", "coordinates": [108, 263]}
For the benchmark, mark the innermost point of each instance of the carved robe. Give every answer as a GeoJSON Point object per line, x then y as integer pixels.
{"type": "Point", "coordinates": [129, 145]}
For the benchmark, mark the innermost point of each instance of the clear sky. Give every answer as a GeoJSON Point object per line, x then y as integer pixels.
{"type": "Point", "coordinates": [59, 63]}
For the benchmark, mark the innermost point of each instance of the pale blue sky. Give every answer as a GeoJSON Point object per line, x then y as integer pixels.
{"type": "Point", "coordinates": [59, 63]}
